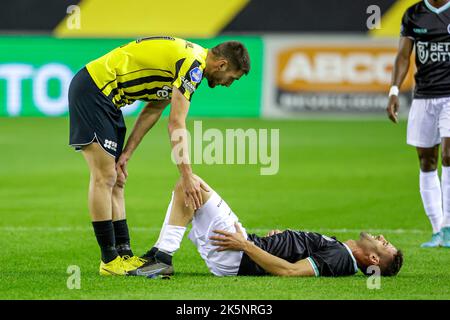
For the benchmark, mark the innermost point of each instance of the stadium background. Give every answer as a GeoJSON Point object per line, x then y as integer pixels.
{"type": "Point", "coordinates": [318, 74]}
{"type": "Point", "coordinates": [347, 70]}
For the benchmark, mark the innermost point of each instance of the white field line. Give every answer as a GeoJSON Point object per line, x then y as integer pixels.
{"type": "Point", "coordinates": [256, 230]}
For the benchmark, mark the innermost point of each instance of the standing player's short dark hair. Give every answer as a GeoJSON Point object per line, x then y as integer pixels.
{"type": "Point", "coordinates": [235, 53]}
{"type": "Point", "coordinates": [394, 266]}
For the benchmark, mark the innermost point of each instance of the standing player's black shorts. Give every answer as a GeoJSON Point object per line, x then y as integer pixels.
{"type": "Point", "coordinates": [93, 117]}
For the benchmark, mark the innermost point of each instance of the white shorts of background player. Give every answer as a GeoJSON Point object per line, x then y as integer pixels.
{"type": "Point", "coordinates": [428, 122]}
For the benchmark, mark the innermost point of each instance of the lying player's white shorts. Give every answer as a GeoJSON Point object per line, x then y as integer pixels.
{"type": "Point", "coordinates": [215, 214]}
{"type": "Point", "coordinates": [428, 122]}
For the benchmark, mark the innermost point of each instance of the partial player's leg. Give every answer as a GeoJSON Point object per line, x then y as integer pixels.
{"type": "Point", "coordinates": [102, 180]}
{"type": "Point", "coordinates": [97, 129]}
{"type": "Point", "coordinates": [178, 216]}
{"type": "Point", "coordinates": [214, 214]}
{"type": "Point", "coordinates": [430, 191]}
{"type": "Point", "coordinates": [444, 127]}
{"type": "Point", "coordinates": [423, 133]}
{"type": "Point", "coordinates": [121, 232]}
{"type": "Point", "coordinates": [445, 231]}
{"type": "Point", "coordinates": [122, 236]}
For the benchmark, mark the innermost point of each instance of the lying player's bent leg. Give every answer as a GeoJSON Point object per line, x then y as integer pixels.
{"type": "Point", "coordinates": [215, 214]}
{"type": "Point", "coordinates": [205, 194]}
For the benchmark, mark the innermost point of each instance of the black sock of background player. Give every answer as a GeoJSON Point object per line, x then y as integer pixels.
{"type": "Point", "coordinates": [104, 232]}
{"type": "Point", "coordinates": [122, 238]}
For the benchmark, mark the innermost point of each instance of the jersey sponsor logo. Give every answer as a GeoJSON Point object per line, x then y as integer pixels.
{"type": "Point", "coordinates": [189, 45]}
{"type": "Point", "coordinates": [196, 75]}
{"type": "Point", "coordinates": [111, 145]}
{"type": "Point", "coordinates": [187, 85]}
{"type": "Point", "coordinates": [433, 51]}
{"type": "Point", "coordinates": [420, 30]}
{"type": "Point", "coordinates": [422, 52]}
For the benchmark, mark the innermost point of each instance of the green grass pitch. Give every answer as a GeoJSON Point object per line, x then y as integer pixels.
{"type": "Point", "coordinates": [336, 177]}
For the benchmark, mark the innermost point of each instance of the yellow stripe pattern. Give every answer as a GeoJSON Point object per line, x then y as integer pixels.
{"type": "Point", "coordinates": [139, 18]}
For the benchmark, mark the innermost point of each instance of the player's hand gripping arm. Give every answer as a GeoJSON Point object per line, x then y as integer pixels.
{"type": "Point", "coordinates": [399, 72]}
{"type": "Point", "coordinates": [177, 132]}
{"type": "Point", "coordinates": [145, 121]}
{"type": "Point", "coordinates": [272, 264]}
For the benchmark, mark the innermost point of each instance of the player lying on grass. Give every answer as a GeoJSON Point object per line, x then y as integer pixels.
{"type": "Point", "coordinates": [161, 71]}
{"type": "Point", "coordinates": [228, 251]}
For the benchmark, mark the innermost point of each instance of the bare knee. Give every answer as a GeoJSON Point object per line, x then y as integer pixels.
{"type": "Point", "coordinates": [428, 159]}
{"type": "Point", "coordinates": [104, 177]}
{"type": "Point", "coordinates": [446, 158]}
{"type": "Point", "coordinates": [179, 187]}
{"type": "Point", "coordinates": [446, 152]}
{"type": "Point", "coordinates": [118, 189]}
{"type": "Point", "coordinates": [120, 182]}
{"type": "Point", "coordinates": [428, 164]}
{"type": "Point", "coordinates": [119, 186]}
{"type": "Point", "coordinates": [206, 194]}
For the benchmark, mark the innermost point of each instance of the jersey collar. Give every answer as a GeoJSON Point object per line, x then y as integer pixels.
{"type": "Point", "coordinates": [353, 258]}
{"type": "Point", "coordinates": [205, 54]}
{"type": "Point", "coordinates": [437, 10]}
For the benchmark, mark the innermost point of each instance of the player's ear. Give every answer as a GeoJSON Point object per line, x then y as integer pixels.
{"type": "Point", "coordinates": [374, 259]}
{"type": "Point", "coordinates": [222, 65]}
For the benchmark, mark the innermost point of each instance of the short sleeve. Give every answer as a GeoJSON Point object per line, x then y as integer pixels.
{"type": "Point", "coordinates": [189, 74]}
{"type": "Point", "coordinates": [405, 27]}
{"type": "Point", "coordinates": [332, 262]}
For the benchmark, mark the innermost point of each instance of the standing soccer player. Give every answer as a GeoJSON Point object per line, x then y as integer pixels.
{"type": "Point", "coordinates": [159, 70]}
{"type": "Point", "coordinates": [426, 25]}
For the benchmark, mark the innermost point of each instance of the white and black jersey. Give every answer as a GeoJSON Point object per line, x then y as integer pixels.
{"type": "Point", "coordinates": [328, 257]}
{"type": "Point", "coordinates": [429, 28]}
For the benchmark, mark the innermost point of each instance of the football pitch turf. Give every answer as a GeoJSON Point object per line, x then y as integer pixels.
{"type": "Point", "coordinates": [335, 177]}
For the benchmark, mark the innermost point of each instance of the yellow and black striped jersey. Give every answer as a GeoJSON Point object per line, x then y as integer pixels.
{"type": "Point", "coordinates": [148, 68]}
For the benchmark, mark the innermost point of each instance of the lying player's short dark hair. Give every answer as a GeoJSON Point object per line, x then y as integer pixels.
{"type": "Point", "coordinates": [235, 53]}
{"type": "Point", "coordinates": [391, 269]}
{"type": "Point", "coordinates": [394, 266]}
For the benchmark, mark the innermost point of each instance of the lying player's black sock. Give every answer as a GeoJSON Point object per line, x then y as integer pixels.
{"type": "Point", "coordinates": [150, 253]}
{"type": "Point", "coordinates": [163, 257]}
{"type": "Point", "coordinates": [122, 238]}
{"type": "Point", "coordinates": [104, 232]}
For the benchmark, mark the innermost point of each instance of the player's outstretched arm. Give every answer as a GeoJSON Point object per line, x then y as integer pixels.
{"type": "Point", "coordinates": [272, 264]}
{"type": "Point", "coordinates": [178, 137]}
{"type": "Point", "coordinates": [399, 72]}
{"type": "Point", "coordinates": [145, 121]}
